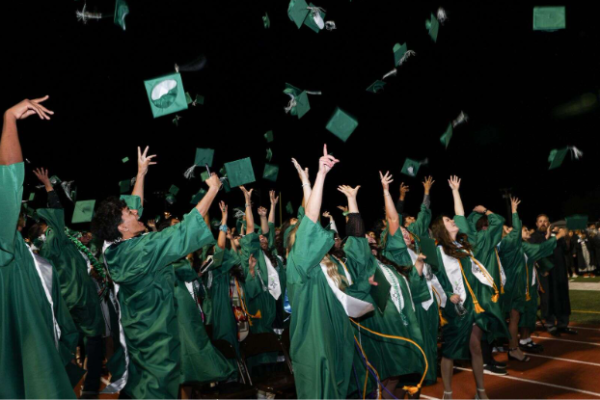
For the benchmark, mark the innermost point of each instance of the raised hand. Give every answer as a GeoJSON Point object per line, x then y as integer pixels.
{"type": "Point", "coordinates": [302, 173]}
{"type": "Point", "coordinates": [514, 203]}
{"type": "Point", "coordinates": [247, 194]}
{"type": "Point", "coordinates": [403, 190]}
{"type": "Point", "coordinates": [144, 161]}
{"type": "Point", "coordinates": [428, 183]}
{"type": "Point", "coordinates": [326, 214]}
{"type": "Point", "coordinates": [274, 199]}
{"type": "Point", "coordinates": [419, 263]}
{"type": "Point", "coordinates": [42, 175]}
{"type": "Point", "coordinates": [213, 181]}
{"type": "Point", "coordinates": [386, 180]}
{"type": "Point", "coordinates": [480, 209]}
{"type": "Point", "coordinates": [224, 210]}
{"type": "Point", "coordinates": [262, 211]}
{"type": "Point", "coordinates": [343, 208]}
{"type": "Point", "coordinates": [454, 182]}
{"type": "Point", "coordinates": [372, 281]}
{"type": "Point", "coordinates": [326, 162]}
{"type": "Point", "coordinates": [562, 232]}
{"type": "Point", "coordinates": [28, 107]}
{"type": "Point", "coordinates": [349, 191]}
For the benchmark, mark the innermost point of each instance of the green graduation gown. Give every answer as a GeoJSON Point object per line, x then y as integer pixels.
{"type": "Point", "coordinates": [322, 339]}
{"type": "Point", "coordinates": [534, 253]}
{"type": "Point", "coordinates": [30, 364]}
{"type": "Point", "coordinates": [141, 270]}
{"type": "Point", "coordinates": [77, 286]}
{"type": "Point", "coordinates": [200, 361]}
{"type": "Point", "coordinates": [512, 257]}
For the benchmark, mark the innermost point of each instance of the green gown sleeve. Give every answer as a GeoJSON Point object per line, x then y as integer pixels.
{"type": "Point", "coordinates": [513, 240]}
{"type": "Point", "coordinates": [11, 193]}
{"type": "Point", "coordinates": [55, 218]}
{"type": "Point", "coordinates": [361, 267]}
{"type": "Point", "coordinates": [271, 237]}
{"type": "Point", "coordinates": [464, 226]}
{"type": "Point", "coordinates": [535, 252]}
{"type": "Point", "coordinates": [395, 249]}
{"type": "Point", "coordinates": [421, 225]}
{"type": "Point", "coordinates": [494, 232]}
{"type": "Point", "coordinates": [311, 245]}
{"type": "Point", "coordinates": [250, 244]}
{"type": "Point", "coordinates": [418, 286]}
{"type": "Point", "coordinates": [133, 202]}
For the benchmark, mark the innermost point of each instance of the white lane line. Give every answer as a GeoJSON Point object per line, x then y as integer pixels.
{"type": "Point", "coordinates": [568, 341]}
{"type": "Point", "coordinates": [585, 329]}
{"type": "Point", "coordinates": [427, 397]}
{"type": "Point", "coordinates": [539, 383]}
{"type": "Point", "coordinates": [564, 359]}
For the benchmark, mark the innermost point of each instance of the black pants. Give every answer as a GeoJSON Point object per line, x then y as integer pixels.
{"type": "Point", "coordinates": [486, 352]}
{"type": "Point", "coordinates": [545, 296]}
{"type": "Point", "coordinates": [94, 353]}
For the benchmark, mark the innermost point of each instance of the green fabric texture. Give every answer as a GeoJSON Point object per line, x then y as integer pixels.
{"type": "Point", "coordinates": [140, 266]}
{"type": "Point", "coordinates": [322, 339]}
{"type": "Point", "coordinates": [166, 95]}
{"type": "Point", "coordinates": [200, 361]}
{"type": "Point", "coordinates": [30, 363]}
{"type": "Point", "coordinates": [77, 286]}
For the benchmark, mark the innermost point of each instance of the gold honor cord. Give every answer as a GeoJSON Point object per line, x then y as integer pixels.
{"type": "Point", "coordinates": [412, 390]}
{"type": "Point", "coordinates": [527, 295]}
{"type": "Point", "coordinates": [487, 275]}
{"type": "Point", "coordinates": [243, 304]}
{"type": "Point", "coordinates": [478, 308]}
{"type": "Point", "coordinates": [443, 320]}
{"type": "Point", "coordinates": [499, 264]}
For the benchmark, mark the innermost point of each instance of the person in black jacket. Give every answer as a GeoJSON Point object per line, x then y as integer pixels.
{"type": "Point", "coordinates": [583, 251]}
{"type": "Point", "coordinates": [555, 302]}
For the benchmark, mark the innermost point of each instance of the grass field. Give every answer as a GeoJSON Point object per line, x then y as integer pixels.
{"type": "Point", "coordinates": [585, 306]}
{"type": "Point", "coordinates": [581, 279]}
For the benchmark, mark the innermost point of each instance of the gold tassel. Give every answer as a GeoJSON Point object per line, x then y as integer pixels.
{"type": "Point", "coordinates": [495, 297]}
{"type": "Point", "coordinates": [502, 289]}
{"type": "Point", "coordinates": [437, 296]}
{"type": "Point", "coordinates": [478, 308]}
{"type": "Point", "coordinates": [443, 320]}
{"type": "Point", "coordinates": [412, 390]}
{"type": "Point", "coordinates": [527, 296]}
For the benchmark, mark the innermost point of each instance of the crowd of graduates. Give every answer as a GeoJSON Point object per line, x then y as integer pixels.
{"type": "Point", "coordinates": [361, 314]}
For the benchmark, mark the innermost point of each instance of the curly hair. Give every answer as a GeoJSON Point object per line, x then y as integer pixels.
{"type": "Point", "coordinates": [441, 235]}
{"type": "Point", "coordinates": [108, 216]}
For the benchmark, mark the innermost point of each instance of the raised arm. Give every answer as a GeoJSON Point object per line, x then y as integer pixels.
{"type": "Point", "coordinates": [249, 215]}
{"type": "Point", "coordinates": [303, 175]}
{"type": "Point", "coordinates": [222, 239]}
{"type": "Point", "coordinates": [393, 219]}
{"type": "Point", "coordinates": [400, 203]}
{"type": "Point", "coordinates": [10, 146]}
{"type": "Point", "coordinates": [313, 205]}
{"type": "Point", "coordinates": [144, 161]}
{"type": "Point", "coordinates": [274, 200]}
{"type": "Point", "coordinates": [53, 199]}
{"type": "Point", "coordinates": [332, 224]}
{"type": "Point", "coordinates": [493, 235]}
{"type": "Point", "coordinates": [427, 184]}
{"type": "Point", "coordinates": [264, 223]}
{"type": "Point", "coordinates": [214, 183]}
{"type": "Point", "coordinates": [454, 183]}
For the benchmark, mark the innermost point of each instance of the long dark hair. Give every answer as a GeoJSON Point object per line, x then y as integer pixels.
{"type": "Point", "coordinates": [402, 270]}
{"type": "Point", "coordinates": [441, 235]}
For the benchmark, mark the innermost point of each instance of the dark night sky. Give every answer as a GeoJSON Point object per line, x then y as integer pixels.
{"type": "Point", "coordinates": [487, 61]}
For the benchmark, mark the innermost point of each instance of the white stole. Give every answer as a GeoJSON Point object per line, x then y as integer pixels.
{"type": "Point", "coordinates": [354, 307]}
{"type": "Point", "coordinates": [454, 273]}
{"type": "Point", "coordinates": [273, 278]}
{"type": "Point", "coordinates": [395, 290]}
{"type": "Point", "coordinates": [433, 282]}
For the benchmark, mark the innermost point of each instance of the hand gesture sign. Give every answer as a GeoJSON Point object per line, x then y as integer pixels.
{"type": "Point", "coordinates": [386, 180]}
{"type": "Point", "coordinates": [326, 162]}
{"type": "Point", "coordinates": [28, 107]}
{"type": "Point", "coordinates": [302, 173]}
{"type": "Point", "coordinates": [144, 161]}
{"type": "Point", "coordinates": [247, 194]}
{"type": "Point", "coordinates": [454, 182]}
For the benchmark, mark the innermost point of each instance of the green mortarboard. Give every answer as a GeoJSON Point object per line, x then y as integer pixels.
{"type": "Point", "coordinates": [203, 157]}
{"type": "Point", "coordinates": [198, 196]}
{"type": "Point", "coordinates": [55, 180]}
{"type": "Point", "coordinates": [557, 157]}
{"type": "Point", "coordinates": [133, 202]}
{"type": "Point", "coordinates": [226, 185]}
{"type": "Point", "coordinates": [170, 198]}
{"type": "Point", "coordinates": [381, 292]}
{"type": "Point", "coordinates": [266, 21]}
{"type": "Point", "coordinates": [204, 175]}
{"type": "Point", "coordinates": [289, 208]}
{"type": "Point", "coordinates": [199, 99]}
{"type": "Point", "coordinates": [83, 212]}
{"type": "Point", "coordinates": [341, 124]}
{"type": "Point", "coordinates": [74, 194]}
{"type": "Point", "coordinates": [124, 160]}
{"type": "Point", "coordinates": [269, 154]}
{"type": "Point", "coordinates": [174, 190]}
{"type": "Point", "coordinates": [399, 52]}
{"type": "Point", "coordinates": [433, 26]}
{"type": "Point", "coordinates": [166, 95]}
{"type": "Point", "coordinates": [240, 172]}
{"type": "Point", "coordinates": [310, 19]}
{"type": "Point", "coordinates": [31, 196]}
{"type": "Point", "coordinates": [549, 18]}
{"type": "Point", "coordinates": [411, 167]}
{"type": "Point", "coordinates": [121, 11]}
{"type": "Point", "coordinates": [577, 222]}
{"type": "Point", "coordinates": [125, 186]}
{"type": "Point", "coordinates": [298, 11]}
{"type": "Point", "coordinates": [302, 105]}
{"type": "Point", "coordinates": [271, 172]}
{"type": "Point", "coordinates": [188, 98]}
{"type": "Point", "coordinates": [376, 86]}
{"type": "Point", "coordinates": [445, 139]}
{"type": "Point", "coordinates": [269, 136]}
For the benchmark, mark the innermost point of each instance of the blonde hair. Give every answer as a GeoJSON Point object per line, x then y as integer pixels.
{"type": "Point", "coordinates": [332, 270]}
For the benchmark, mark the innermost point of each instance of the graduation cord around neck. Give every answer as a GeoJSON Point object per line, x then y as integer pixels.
{"type": "Point", "coordinates": [499, 266]}
{"type": "Point", "coordinates": [478, 308]}
{"type": "Point", "coordinates": [410, 389]}
{"type": "Point", "coordinates": [487, 275]}
{"type": "Point", "coordinates": [243, 304]}
{"type": "Point", "coordinates": [527, 295]}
